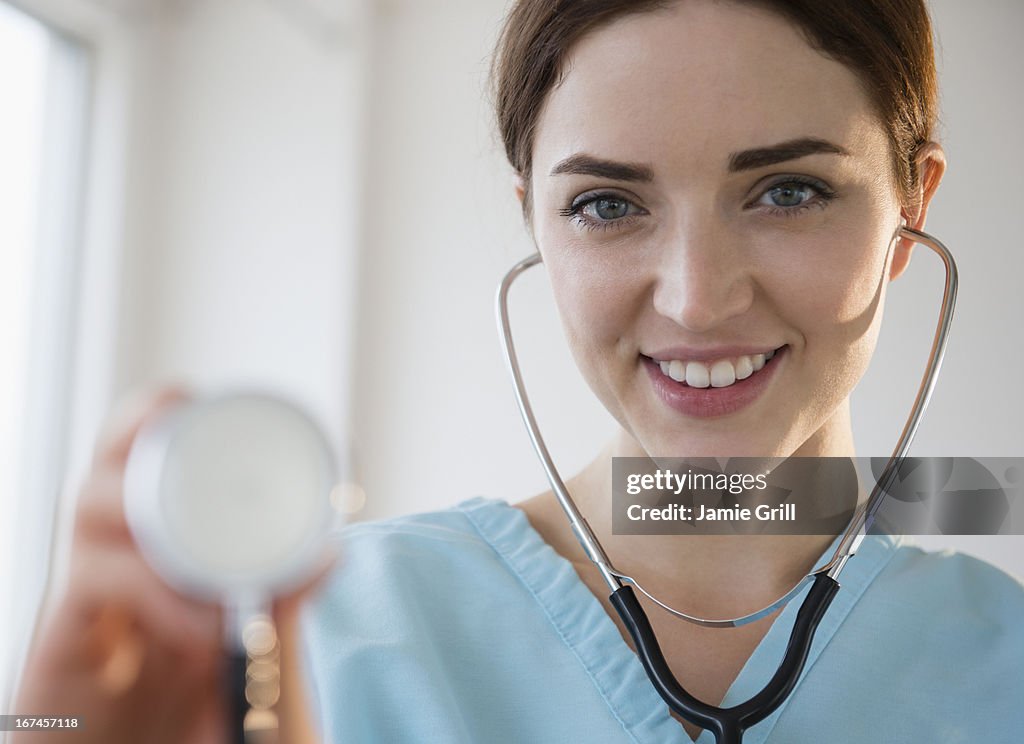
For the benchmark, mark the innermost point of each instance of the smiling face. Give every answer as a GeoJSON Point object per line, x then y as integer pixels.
{"type": "Point", "coordinates": [707, 188]}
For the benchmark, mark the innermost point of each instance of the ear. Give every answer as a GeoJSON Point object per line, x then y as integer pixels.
{"type": "Point", "coordinates": [931, 164]}
{"type": "Point", "coordinates": [519, 184]}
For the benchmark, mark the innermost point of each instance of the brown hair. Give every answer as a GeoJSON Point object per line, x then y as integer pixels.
{"type": "Point", "coordinates": [886, 43]}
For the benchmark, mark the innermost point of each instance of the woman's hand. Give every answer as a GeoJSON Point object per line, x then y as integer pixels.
{"type": "Point", "coordinates": [135, 660]}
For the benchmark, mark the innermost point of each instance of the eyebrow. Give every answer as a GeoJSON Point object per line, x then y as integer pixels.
{"type": "Point", "coordinates": [582, 164]}
{"type": "Point", "coordinates": [780, 153]}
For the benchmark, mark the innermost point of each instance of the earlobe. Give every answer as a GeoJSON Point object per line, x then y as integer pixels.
{"type": "Point", "coordinates": [901, 254]}
{"type": "Point", "coordinates": [519, 184]}
{"type": "Point", "coordinates": [521, 187]}
{"type": "Point", "coordinates": [931, 165]}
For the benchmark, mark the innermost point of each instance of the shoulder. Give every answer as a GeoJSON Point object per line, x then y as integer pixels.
{"type": "Point", "coordinates": [931, 644]}
{"type": "Point", "coordinates": [937, 616]}
{"type": "Point", "coordinates": [386, 614]}
{"type": "Point", "coordinates": [431, 624]}
{"type": "Point", "coordinates": [425, 578]}
{"type": "Point", "coordinates": [408, 540]}
{"type": "Point", "coordinates": [413, 559]}
{"type": "Point", "coordinates": [949, 585]}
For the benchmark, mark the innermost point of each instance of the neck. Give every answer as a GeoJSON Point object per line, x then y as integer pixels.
{"type": "Point", "coordinates": [689, 571]}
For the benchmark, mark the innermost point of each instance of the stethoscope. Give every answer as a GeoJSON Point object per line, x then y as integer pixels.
{"type": "Point", "coordinates": [729, 724]}
{"type": "Point", "coordinates": [229, 498]}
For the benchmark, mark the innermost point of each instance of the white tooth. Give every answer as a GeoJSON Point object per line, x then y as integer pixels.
{"type": "Point", "coordinates": [757, 361]}
{"type": "Point", "coordinates": [664, 368]}
{"type": "Point", "coordinates": [723, 374]}
{"type": "Point", "coordinates": [769, 355]}
{"type": "Point", "coordinates": [677, 370]}
{"type": "Point", "coordinates": [744, 368]}
{"type": "Point", "coordinates": [697, 375]}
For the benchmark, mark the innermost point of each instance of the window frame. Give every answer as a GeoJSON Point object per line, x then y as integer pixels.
{"type": "Point", "coordinates": [75, 318]}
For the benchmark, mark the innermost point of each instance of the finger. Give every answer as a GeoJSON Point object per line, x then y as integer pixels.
{"type": "Point", "coordinates": [182, 694]}
{"type": "Point", "coordinates": [105, 550]}
{"type": "Point", "coordinates": [99, 512]}
{"type": "Point", "coordinates": [206, 704]}
{"type": "Point", "coordinates": [116, 576]}
{"type": "Point", "coordinates": [123, 650]}
{"type": "Point", "coordinates": [130, 414]}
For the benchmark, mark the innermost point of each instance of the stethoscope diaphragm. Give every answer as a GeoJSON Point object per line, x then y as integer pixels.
{"type": "Point", "coordinates": [228, 497]}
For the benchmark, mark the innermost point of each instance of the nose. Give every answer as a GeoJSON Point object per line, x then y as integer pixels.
{"type": "Point", "coordinates": [703, 279]}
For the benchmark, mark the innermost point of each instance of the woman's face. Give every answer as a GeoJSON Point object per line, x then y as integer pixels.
{"type": "Point", "coordinates": [707, 190]}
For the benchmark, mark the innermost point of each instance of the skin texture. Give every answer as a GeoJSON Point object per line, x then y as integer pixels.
{"type": "Point", "coordinates": [703, 262]}
{"type": "Point", "coordinates": [704, 257]}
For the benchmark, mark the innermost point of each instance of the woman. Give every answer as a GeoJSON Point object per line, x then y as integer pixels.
{"type": "Point", "coordinates": [716, 189]}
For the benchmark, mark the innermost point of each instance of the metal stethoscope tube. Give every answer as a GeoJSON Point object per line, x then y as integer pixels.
{"type": "Point", "coordinates": [728, 724]}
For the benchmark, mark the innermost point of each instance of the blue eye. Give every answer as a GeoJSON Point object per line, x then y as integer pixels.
{"type": "Point", "coordinates": [602, 210]}
{"type": "Point", "coordinates": [789, 195]}
{"type": "Point", "coordinates": [794, 195]}
{"type": "Point", "coordinates": [608, 208]}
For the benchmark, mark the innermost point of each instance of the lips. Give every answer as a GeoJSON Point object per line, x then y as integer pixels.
{"type": "Point", "coordinates": [708, 388]}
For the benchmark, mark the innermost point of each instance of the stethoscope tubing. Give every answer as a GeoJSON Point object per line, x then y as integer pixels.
{"type": "Point", "coordinates": [728, 724]}
{"type": "Point", "coordinates": [862, 522]}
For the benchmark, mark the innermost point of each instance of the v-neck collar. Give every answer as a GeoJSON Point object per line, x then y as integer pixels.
{"type": "Point", "coordinates": [592, 636]}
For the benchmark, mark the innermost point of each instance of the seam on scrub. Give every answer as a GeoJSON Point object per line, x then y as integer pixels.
{"type": "Point", "coordinates": [550, 618]}
{"type": "Point", "coordinates": [358, 529]}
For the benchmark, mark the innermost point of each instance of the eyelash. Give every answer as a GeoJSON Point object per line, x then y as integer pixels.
{"type": "Point", "coordinates": [575, 211]}
{"type": "Point", "coordinates": [820, 199]}
{"type": "Point", "coordinates": [823, 195]}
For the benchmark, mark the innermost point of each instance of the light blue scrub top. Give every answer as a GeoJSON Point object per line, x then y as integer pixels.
{"type": "Point", "coordinates": [465, 626]}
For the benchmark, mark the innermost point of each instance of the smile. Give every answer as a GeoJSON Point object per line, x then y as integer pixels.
{"type": "Point", "coordinates": [719, 373]}
{"type": "Point", "coordinates": [708, 388]}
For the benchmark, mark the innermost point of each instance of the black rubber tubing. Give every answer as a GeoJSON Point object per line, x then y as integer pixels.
{"type": "Point", "coordinates": [727, 724]}
{"type": "Point", "coordinates": [234, 676]}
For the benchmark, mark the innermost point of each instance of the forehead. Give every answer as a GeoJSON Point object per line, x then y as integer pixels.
{"type": "Point", "coordinates": [691, 83]}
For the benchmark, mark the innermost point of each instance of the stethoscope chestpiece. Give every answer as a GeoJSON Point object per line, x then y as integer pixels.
{"type": "Point", "coordinates": [228, 497]}
{"type": "Point", "coordinates": [229, 500]}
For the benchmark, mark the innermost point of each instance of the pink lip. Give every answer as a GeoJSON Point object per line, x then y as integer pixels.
{"type": "Point", "coordinates": [711, 402]}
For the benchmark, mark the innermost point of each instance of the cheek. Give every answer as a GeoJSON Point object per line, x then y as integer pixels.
{"type": "Point", "coordinates": [845, 297]}
{"type": "Point", "coordinates": [599, 311]}
{"type": "Point", "coordinates": [592, 305]}
{"type": "Point", "coordinates": [836, 302]}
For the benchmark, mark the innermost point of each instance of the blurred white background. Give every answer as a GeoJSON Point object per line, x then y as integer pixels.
{"type": "Point", "coordinates": [308, 196]}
